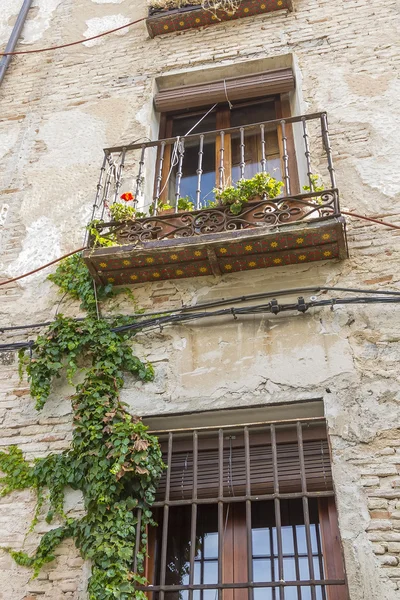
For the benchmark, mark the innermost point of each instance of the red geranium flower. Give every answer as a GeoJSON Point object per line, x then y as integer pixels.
{"type": "Point", "coordinates": [128, 196]}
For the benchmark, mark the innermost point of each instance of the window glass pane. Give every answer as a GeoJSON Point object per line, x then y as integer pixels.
{"type": "Point", "coordinates": [306, 593]}
{"type": "Point", "coordinates": [262, 569]}
{"type": "Point", "coordinates": [289, 569]}
{"type": "Point", "coordinates": [211, 545]}
{"type": "Point", "coordinates": [261, 542]}
{"type": "Point", "coordinates": [291, 593]}
{"type": "Point", "coordinates": [304, 570]}
{"type": "Point", "coordinates": [301, 539]}
{"type": "Point", "coordinates": [263, 594]}
{"type": "Point", "coordinates": [210, 572]}
{"type": "Point", "coordinates": [210, 595]}
{"type": "Point", "coordinates": [287, 540]}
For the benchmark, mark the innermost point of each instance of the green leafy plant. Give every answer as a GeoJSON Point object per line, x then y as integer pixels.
{"type": "Point", "coordinates": [184, 205]}
{"type": "Point", "coordinates": [113, 460]}
{"type": "Point", "coordinates": [316, 185]}
{"type": "Point", "coordinates": [262, 185]}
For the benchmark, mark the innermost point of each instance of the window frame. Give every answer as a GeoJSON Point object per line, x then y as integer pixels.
{"type": "Point", "coordinates": [282, 111]}
{"type": "Point", "coordinates": [232, 556]}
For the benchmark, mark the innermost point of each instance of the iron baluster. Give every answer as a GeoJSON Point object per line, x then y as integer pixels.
{"type": "Point", "coordinates": [307, 154]}
{"type": "Point", "coordinates": [181, 152]}
{"type": "Point", "coordinates": [139, 177]}
{"type": "Point", "coordinates": [285, 158]}
{"type": "Point", "coordinates": [118, 173]}
{"type": "Point", "coordinates": [328, 149]}
{"type": "Point", "coordinates": [263, 155]}
{"type": "Point", "coordinates": [96, 204]}
{"type": "Point", "coordinates": [221, 168]}
{"type": "Point", "coordinates": [242, 154]}
{"type": "Point", "coordinates": [199, 172]}
{"type": "Point", "coordinates": [159, 178]}
{"type": "Point", "coordinates": [107, 185]}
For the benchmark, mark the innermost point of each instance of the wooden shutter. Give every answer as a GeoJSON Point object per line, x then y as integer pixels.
{"type": "Point", "coordinates": [235, 88]}
{"type": "Point", "coordinates": [316, 459]}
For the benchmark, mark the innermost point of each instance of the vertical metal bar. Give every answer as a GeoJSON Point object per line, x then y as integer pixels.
{"type": "Point", "coordinates": [164, 542]}
{"type": "Point", "coordinates": [285, 158]}
{"type": "Point", "coordinates": [221, 168]}
{"type": "Point", "coordinates": [199, 172]}
{"type": "Point", "coordinates": [107, 185]}
{"type": "Point", "coordinates": [277, 503]}
{"type": "Point", "coordinates": [96, 204]}
{"type": "Point", "coordinates": [306, 511]}
{"type": "Point", "coordinates": [139, 177]}
{"type": "Point", "coordinates": [263, 155]}
{"type": "Point", "coordinates": [327, 147]}
{"type": "Point", "coordinates": [138, 538]}
{"type": "Point", "coordinates": [220, 509]}
{"type": "Point", "coordinates": [193, 524]}
{"type": "Point", "coordinates": [159, 178]}
{"type": "Point", "coordinates": [181, 153]}
{"type": "Point", "coordinates": [272, 558]}
{"type": "Point", "coordinates": [242, 154]}
{"type": "Point", "coordinates": [296, 561]}
{"type": "Point", "coordinates": [118, 180]}
{"type": "Point", "coordinates": [248, 513]}
{"type": "Point", "coordinates": [307, 154]}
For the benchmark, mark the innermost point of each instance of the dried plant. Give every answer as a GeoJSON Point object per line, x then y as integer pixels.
{"type": "Point", "coordinates": [228, 6]}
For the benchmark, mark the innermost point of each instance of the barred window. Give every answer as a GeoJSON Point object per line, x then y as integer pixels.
{"type": "Point", "coordinates": [246, 513]}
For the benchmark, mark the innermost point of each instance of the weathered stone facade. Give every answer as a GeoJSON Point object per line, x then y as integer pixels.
{"type": "Point", "coordinates": [60, 108]}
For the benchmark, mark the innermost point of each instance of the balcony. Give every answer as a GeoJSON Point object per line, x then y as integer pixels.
{"type": "Point", "coordinates": [295, 227]}
{"type": "Point", "coordinates": [165, 20]}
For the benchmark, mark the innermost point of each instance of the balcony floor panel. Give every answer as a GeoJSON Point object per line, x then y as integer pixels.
{"type": "Point", "coordinates": [218, 253]}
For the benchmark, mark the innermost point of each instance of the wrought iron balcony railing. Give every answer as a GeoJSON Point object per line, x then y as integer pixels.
{"type": "Point", "coordinates": [295, 150]}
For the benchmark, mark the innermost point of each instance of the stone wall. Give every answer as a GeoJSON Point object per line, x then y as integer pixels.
{"type": "Point", "coordinates": [59, 109]}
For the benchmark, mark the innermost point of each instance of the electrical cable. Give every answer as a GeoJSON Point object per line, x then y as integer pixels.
{"type": "Point", "coordinates": [94, 37]}
{"type": "Point", "coordinates": [272, 307]}
{"type": "Point", "coordinates": [225, 301]}
{"type": "Point", "coordinates": [352, 214]}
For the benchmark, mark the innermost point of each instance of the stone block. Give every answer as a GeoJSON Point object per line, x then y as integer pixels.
{"type": "Point", "coordinates": [389, 561]}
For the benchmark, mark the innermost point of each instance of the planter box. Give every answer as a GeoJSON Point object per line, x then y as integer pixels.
{"type": "Point", "coordinates": [168, 21]}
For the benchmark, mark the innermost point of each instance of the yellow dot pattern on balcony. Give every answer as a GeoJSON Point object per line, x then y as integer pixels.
{"type": "Point", "coordinates": [197, 20]}
{"type": "Point", "coordinates": [149, 259]}
{"type": "Point", "coordinates": [277, 261]}
{"type": "Point", "coordinates": [279, 3]}
{"type": "Point", "coordinates": [302, 257]}
{"type": "Point", "coordinates": [111, 280]}
{"type": "Point", "coordinates": [326, 236]}
{"type": "Point", "coordinates": [174, 257]}
{"type": "Point", "coordinates": [299, 240]}
{"type": "Point", "coordinates": [252, 264]}
{"type": "Point", "coordinates": [203, 269]}
{"type": "Point", "coordinates": [228, 267]}
{"type": "Point", "coordinates": [178, 272]}
{"type": "Point", "coordinates": [274, 244]}
{"type": "Point", "coordinates": [166, 27]}
{"type": "Point", "coordinates": [223, 250]}
{"type": "Point", "coordinates": [182, 23]}
{"type": "Point", "coordinates": [263, 7]}
{"type": "Point", "coordinates": [248, 248]}
{"type": "Point", "coordinates": [127, 263]}
{"type": "Point", "coordinates": [134, 277]}
{"type": "Point", "coordinates": [156, 274]}
{"type": "Point", "coordinates": [327, 253]}
{"type": "Point", "coordinates": [197, 253]}
{"type": "Point", "coordinates": [103, 265]}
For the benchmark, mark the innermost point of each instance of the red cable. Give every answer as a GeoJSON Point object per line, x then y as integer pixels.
{"type": "Point", "coordinates": [42, 267]}
{"type": "Point", "coordinates": [94, 37]}
{"type": "Point", "coordinates": [351, 214]}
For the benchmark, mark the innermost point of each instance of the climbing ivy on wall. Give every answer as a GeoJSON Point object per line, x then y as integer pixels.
{"type": "Point", "coordinates": [112, 459]}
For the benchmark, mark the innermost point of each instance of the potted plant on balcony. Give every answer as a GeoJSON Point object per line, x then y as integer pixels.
{"type": "Point", "coordinates": [260, 187]}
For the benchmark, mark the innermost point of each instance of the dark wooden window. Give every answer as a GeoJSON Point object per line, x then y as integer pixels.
{"type": "Point", "coordinates": [235, 164]}
{"type": "Point", "coordinates": [247, 513]}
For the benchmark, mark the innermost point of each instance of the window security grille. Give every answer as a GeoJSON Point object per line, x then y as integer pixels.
{"type": "Point", "coordinates": [246, 513]}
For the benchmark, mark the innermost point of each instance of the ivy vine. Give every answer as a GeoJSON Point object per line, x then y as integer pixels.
{"type": "Point", "coordinates": [113, 460]}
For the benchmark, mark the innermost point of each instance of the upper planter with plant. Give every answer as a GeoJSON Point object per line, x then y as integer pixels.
{"type": "Point", "coordinates": [168, 16]}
